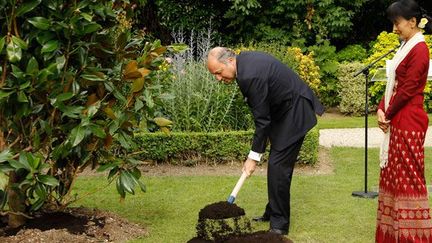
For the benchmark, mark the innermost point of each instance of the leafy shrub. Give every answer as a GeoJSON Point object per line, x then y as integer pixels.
{"type": "Point", "coordinates": [351, 89]}
{"type": "Point", "coordinates": [326, 59]}
{"type": "Point", "coordinates": [352, 53]}
{"type": "Point", "coordinates": [217, 147]}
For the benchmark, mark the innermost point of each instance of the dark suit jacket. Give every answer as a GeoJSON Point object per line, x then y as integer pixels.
{"type": "Point", "coordinates": [282, 104]}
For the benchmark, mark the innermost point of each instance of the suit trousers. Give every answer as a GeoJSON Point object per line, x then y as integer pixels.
{"type": "Point", "coordinates": [279, 174]}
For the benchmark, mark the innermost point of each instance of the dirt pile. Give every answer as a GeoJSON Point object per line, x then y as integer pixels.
{"type": "Point", "coordinates": [223, 222]}
{"type": "Point", "coordinates": [73, 225]}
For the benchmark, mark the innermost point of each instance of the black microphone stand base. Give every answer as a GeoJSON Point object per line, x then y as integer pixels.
{"type": "Point", "coordinates": [365, 194]}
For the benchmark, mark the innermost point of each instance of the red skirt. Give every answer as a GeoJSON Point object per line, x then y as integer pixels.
{"type": "Point", "coordinates": [403, 207]}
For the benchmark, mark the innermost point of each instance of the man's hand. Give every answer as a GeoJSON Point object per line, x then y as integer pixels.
{"type": "Point", "coordinates": [383, 123]}
{"type": "Point", "coordinates": [249, 166]}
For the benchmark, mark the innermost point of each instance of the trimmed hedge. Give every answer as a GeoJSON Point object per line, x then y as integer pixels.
{"type": "Point", "coordinates": [217, 147]}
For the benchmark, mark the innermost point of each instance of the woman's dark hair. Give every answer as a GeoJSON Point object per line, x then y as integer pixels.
{"type": "Point", "coordinates": [408, 9]}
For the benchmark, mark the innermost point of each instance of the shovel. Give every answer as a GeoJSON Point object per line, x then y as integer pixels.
{"type": "Point", "coordinates": [237, 187]}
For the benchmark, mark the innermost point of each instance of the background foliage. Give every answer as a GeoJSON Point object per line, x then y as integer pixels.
{"type": "Point", "coordinates": [351, 89]}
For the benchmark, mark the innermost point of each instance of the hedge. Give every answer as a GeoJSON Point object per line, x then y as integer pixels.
{"type": "Point", "coordinates": [216, 147]}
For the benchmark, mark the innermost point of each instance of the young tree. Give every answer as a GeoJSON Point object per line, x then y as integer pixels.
{"type": "Point", "coordinates": [74, 84]}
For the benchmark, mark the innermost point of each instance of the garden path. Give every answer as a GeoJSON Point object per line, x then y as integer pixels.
{"type": "Point", "coordinates": [355, 137]}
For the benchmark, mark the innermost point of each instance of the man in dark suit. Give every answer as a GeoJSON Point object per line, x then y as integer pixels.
{"type": "Point", "coordinates": [284, 109]}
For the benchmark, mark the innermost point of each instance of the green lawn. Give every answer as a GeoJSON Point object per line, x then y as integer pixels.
{"type": "Point", "coordinates": [323, 209]}
{"type": "Point", "coordinates": [328, 121]}
{"type": "Point", "coordinates": [332, 120]}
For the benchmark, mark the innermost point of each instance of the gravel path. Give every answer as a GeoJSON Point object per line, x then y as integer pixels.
{"type": "Point", "coordinates": [355, 137]}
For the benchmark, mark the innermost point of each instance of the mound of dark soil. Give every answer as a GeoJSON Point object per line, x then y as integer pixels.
{"type": "Point", "coordinates": [221, 210]}
{"type": "Point", "coordinates": [256, 237]}
{"type": "Point", "coordinates": [73, 225]}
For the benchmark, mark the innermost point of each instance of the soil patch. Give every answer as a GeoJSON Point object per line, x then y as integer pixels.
{"type": "Point", "coordinates": [221, 210]}
{"type": "Point", "coordinates": [256, 237]}
{"type": "Point", "coordinates": [73, 225]}
{"type": "Point", "coordinates": [223, 222]}
{"type": "Point", "coordinates": [324, 166]}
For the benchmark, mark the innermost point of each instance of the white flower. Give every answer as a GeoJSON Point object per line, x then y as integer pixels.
{"type": "Point", "coordinates": [423, 22]}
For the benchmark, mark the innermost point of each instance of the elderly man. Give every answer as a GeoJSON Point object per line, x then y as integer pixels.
{"type": "Point", "coordinates": [284, 109]}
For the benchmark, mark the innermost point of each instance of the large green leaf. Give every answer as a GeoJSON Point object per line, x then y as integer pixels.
{"type": "Point", "coordinates": [5, 94]}
{"type": "Point", "coordinates": [60, 61]}
{"type": "Point", "coordinates": [64, 96]}
{"type": "Point", "coordinates": [90, 28]}
{"type": "Point", "coordinates": [27, 6]}
{"type": "Point", "coordinates": [14, 52]}
{"type": "Point", "coordinates": [45, 36]}
{"type": "Point", "coordinates": [25, 85]}
{"type": "Point", "coordinates": [50, 46]}
{"type": "Point", "coordinates": [21, 163]}
{"type": "Point", "coordinates": [48, 180]}
{"type": "Point", "coordinates": [77, 135]}
{"type": "Point", "coordinates": [40, 23]}
{"type": "Point", "coordinates": [22, 44]}
{"type": "Point", "coordinates": [105, 167]}
{"type": "Point", "coordinates": [70, 111]}
{"type": "Point", "coordinates": [87, 16]}
{"type": "Point", "coordinates": [33, 161]}
{"type": "Point", "coordinates": [5, 155]}
{"type": "Point", "coordinates": [22, 97]}
{"type": "Point", "coordinates": [127, 182]}
{"type": "Point", "coordinates": [32, 66]}
{"type": "Point", "coordinates": [120, 188]}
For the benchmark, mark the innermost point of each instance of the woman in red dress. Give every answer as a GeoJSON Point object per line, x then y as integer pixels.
{"type": "Point", "coordinates": [403, 207]}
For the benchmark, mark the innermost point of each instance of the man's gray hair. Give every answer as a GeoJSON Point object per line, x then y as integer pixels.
{"type": "Point", "coordinates": [224, 54]}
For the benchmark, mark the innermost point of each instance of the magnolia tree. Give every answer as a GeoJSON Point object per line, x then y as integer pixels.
{"type": "Point", "coordinates": [74, 85]}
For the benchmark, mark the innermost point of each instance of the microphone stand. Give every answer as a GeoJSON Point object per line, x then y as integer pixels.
{"type": "Point", "coordinates": [365, 72]}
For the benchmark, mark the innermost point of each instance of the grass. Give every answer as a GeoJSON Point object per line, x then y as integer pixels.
{"type": "Point", "coordinates": [335, 120]}
{"type": "Point", "coordinates": [323, 209]}
{"type": "Point", "coordinates": [331, 120]}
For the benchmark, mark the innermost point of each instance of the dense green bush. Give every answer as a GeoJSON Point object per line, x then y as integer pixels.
{"type": "Point", "coordinates": [352, 53]}
{"type": "Point", "coordinates": [216, 147]}
{"type": "Point", "coordinates": [326, 59]}
{"type": "Point", "coordinates": [351, 89]}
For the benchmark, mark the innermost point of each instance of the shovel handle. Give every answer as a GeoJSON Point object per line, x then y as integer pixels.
{"type": "Point", "coordinates": [237, 187]}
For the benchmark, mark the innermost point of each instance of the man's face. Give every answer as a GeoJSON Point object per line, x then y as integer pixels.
{"type": "Point", "coordinates": [225, 72]}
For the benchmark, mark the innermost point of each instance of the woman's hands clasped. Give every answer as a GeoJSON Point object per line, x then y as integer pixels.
{"type": "Point", "coordinates": [383, 123]}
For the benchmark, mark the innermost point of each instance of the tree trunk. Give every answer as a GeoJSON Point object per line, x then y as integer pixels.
{"type": "Point", "coordinates": [15, 199]}
{"type": "Point", "coordinates": [16, 202]}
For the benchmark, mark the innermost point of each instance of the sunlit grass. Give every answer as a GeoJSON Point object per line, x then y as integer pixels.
{"type": "Point", "coordinates": [323, 209]}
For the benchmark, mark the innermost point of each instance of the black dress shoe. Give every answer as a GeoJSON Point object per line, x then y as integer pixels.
{"type": "Point", "coordinates": [261, 219]}
{"type": "Point", "coordinates": [278, 231]}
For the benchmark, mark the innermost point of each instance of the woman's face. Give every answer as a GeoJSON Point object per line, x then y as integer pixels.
{"type": "Point", "coordinates": [405, 28]}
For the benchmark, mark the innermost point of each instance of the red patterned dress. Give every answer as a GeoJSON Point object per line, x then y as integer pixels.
{"type": "Point", "coordinates": [403, 207]}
